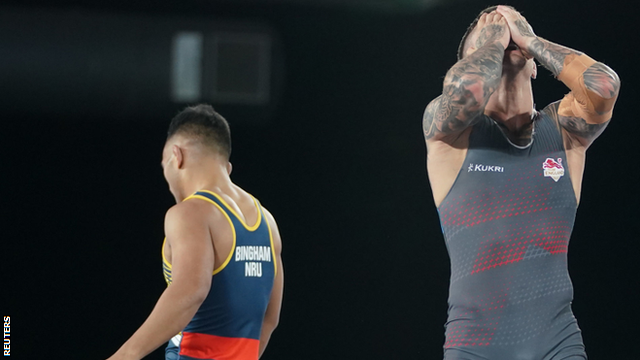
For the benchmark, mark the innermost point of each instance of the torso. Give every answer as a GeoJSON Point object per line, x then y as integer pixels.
{"type": "Point", "coordinates": [507, 216]}
{"type": "Point", "coordinates": [228, 323]}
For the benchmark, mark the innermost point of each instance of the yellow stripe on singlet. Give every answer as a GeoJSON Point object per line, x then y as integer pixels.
{"type": "Point", "coordinates": [241, 219]}
{"type": "Point", "coordinates": [166, 271]}
{"type": "Point", "coordinates": [233, 230]}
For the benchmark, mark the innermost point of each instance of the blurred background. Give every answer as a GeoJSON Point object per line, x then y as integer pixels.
{"type": "Point", "coordinates": [325, 101]}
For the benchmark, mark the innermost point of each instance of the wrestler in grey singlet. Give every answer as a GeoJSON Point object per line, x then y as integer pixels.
{"type": "Point", "coordinates": [507, 222]}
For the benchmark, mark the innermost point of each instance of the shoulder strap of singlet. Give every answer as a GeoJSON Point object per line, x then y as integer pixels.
{"type": "Point", "coordinates": [216, 199]}
{"type": "Point", "coordinates": [229, 212]}
{"type": "Point", "coordinates": [549, 131]}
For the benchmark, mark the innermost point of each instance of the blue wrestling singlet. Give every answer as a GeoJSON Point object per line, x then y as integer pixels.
{"type": "Point", "coordinates": [227, 325]}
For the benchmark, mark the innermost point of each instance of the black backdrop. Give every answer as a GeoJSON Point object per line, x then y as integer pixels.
{"type": "Point", "coordinates": [341, 165]}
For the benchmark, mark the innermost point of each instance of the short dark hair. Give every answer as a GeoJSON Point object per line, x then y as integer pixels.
{"type": "Point", "coordinates": [470, 29]}
{"type": "Point", "coordinates": [204, 124]}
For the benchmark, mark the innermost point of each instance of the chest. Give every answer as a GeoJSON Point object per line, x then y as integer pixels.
{"type": "Point", "coordinates": [497, 167]}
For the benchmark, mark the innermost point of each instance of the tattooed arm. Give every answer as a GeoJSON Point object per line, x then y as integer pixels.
{"type": "Point", "coordinates": [586, 110]}
{"type": "Point", "coordinates": [470, 82]}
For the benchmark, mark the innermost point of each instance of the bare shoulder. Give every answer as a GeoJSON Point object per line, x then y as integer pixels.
{"type": "Point", "coordinates": [188, 212]}
{"type": "Point", "coordinates": [275, 232]}
{"type": "Point", "coordinates": [191, 216]}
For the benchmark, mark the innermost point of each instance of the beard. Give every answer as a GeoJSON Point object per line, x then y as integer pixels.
{"type": "Point", "coordinates": [515, 62]}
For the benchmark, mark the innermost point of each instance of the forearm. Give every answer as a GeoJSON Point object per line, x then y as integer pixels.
{"type": "Point", "coordinates": [467, 88]}
{"type": "Point", "coordinates": [552, 56]}
{"type": "Point", "coordinates": [265, 335]}
{"type": "Point", "coordinates": [472, 80]}
{"type": "Point", "coordinates": [172, 313]}
{"type": "Point", "coordinates": [594, 86]}
{"type": "Point", "coordinates": [575, 68]}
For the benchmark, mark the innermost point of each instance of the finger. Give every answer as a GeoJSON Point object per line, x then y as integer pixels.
{"type": "Point", "coordinates": [504, 9]}
{"type": "Point", "coordinates": [506, 12]}
{"type": "Point", "coordinates": [509, 17]}
{"type": "Point", "coordinates": [487, 18]}
{"type": "Point", "coordinates": [512, 15]}
{"type": "Point", "coordinates": [482, 20]}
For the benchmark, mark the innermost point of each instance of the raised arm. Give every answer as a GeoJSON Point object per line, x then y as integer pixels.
{"type": "Point", "coordinates": [586, 110]}
{"type": "Point", "coordinates": [470, 82]}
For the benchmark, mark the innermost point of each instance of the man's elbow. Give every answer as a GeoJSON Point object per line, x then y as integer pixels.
{"type": "Point", "coordinates": [194, 294]}
{"type": "Point", "coordinates": [271, 323]}
{"type": "Point", "coordinates": [471, 93]}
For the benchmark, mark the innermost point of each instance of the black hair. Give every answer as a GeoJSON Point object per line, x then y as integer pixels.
{"type": "Point", "coordinates": [204, 124]}
{"type": "Point", "coordinates": [470, 29]}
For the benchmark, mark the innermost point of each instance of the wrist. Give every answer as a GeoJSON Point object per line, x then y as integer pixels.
{"type": "Point", "coordinates": [124, 353]}
{"type": "Point", "coordinates": [504, 42]}
{"type": "Point", "coordinates": [529, 45]}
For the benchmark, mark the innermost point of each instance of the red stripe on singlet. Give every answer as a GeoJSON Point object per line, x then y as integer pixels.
{"type": "Point", "coordinates": [204, 346]}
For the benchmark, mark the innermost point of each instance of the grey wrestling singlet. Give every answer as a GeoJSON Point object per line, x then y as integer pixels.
{"type": "Point", "coordinates": [507, 222]}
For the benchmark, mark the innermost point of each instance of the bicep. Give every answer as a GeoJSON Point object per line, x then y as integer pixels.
{"type": "Point", "coordinates": [574, 122]}
{"type": "Point", "coordinates": [192, 254]}
{"type": "Point", "coordinates": [428, 118]}
{"type": "Point", "coordinates": [275, 301]}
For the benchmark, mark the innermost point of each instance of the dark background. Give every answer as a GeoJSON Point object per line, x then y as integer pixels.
{"type": "Point", "coordinates": [338, 157]}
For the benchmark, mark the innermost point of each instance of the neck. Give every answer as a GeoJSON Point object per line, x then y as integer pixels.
{"type": "Point", "coordinates": [512, 103]}
{"type": "Point", "coordinates": [208, 175]}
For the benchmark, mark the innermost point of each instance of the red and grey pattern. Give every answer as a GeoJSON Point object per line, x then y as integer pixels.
{"type": "Point", "coordinates": [507, 226]}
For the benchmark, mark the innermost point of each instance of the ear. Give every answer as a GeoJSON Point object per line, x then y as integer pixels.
{"type": "Point", "coordinates": [229, 168]}
{"type": "Point", "coordinates": [177, 152]}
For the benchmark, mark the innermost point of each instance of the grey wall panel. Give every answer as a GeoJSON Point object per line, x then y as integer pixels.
{"type": "Point", "coordinates": [114, 65]}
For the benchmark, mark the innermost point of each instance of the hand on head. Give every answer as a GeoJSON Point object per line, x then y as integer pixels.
{"type": "Point", "coordinates": [521, 32]}
{"type": "Point", "coordinates": [491, 27]}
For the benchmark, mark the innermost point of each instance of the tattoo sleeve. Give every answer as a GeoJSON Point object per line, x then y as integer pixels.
{"type": "Point", "coordinates": [580, 128]}
{"type": "Point", "coordinates": [550, 55]}
{"type": "Point", "coordinates": [467, 88]}
{"type": "Point", "coordinates": [575, 125]}
{"type": "Point", "coordinates": [603, 81]}
{"type": "Point", "coordinates": [524, 29]}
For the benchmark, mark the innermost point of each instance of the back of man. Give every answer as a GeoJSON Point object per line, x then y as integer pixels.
{"type": "Point", "coordinates": [228, 323]}
{"type": "Point", "coordinates": [221, 255]}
